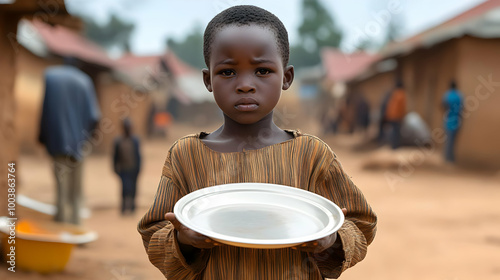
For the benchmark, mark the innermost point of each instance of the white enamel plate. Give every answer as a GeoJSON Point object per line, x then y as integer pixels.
{"type": "Point", "coordinates": [256, 215]}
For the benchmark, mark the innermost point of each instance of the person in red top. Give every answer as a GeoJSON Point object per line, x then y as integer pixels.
{"type": "Point", "coordinates": [395, 113]}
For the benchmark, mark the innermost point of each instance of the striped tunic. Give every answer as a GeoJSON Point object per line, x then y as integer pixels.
{"type": "Point", "coordinates": [304, 162]}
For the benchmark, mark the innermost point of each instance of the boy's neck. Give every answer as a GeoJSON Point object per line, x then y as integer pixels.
{"type": "Point", "coordinates": [234, 130]}
{"type": "Point", "coordinates": [235, 137]}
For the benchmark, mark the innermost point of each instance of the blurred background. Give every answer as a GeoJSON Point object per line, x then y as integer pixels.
{"type": "Point", "coordinates": [406, 93]}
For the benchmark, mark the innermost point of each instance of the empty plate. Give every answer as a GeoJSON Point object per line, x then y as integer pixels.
{"type": "Point", "coordinates": [257, 215]}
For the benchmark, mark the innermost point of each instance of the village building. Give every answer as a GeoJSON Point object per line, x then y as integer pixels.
{"type": "Point", "coordinates": [339, 68]}
{"type": "Point", "coordinates": [464, 49]}
{"type": "Point", "coordinates": [42, 34]}
{"type": "Point", "coordinates": [136, 87]}
{"type": "Point", "coordinates": [10, 14]}
{"type": "Point", "coordinates": [119, 95]}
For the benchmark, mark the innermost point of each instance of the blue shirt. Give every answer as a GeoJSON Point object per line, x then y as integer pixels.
{"type": "Point", "coordinates": [70, 111]}
{"type": "Point", "coordinates": [453, 102]}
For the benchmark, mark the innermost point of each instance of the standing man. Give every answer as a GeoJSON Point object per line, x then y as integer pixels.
{"type": "Point", "coordinates": [452, 103]}
{"type": "Point", "coordinates": [69, 115]}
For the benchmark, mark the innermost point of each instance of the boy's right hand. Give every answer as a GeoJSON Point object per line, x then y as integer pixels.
{"type": "Point", "coordinates": [187, 236]}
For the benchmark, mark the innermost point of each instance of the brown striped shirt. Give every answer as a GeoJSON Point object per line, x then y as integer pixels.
{"type": "Point", "coordinates": [304, 162]}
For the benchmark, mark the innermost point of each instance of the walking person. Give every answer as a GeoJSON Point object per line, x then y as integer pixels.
{"type": "Point", "coordinates": [69, 115]}
{"type": "Point", "coordinates": [127, 164]}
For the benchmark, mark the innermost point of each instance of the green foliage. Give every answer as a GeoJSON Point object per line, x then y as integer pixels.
{"type": "Point", "coordinates": [367, 44]}
{"type": "Point", "coordinates": [300, 57]}
{"type": "Point", "coordinates": [394, 30]}
{"type": "Point", "coordinates": [189, 49]}
{"type": "Point", "coordinates": [116, 33]}
{"type": "Point", "coordinates": [316, 31]}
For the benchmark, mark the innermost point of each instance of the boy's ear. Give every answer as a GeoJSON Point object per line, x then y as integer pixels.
{"type": "Point", "coordinates": [207, 79]}
{"type": "Point", "coordinates": [288, 76]}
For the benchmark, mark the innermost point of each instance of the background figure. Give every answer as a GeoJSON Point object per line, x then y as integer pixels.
{"type": "Point", "coordinates": [362, 114]}
{"type": "Point", "coordinates": [348, 112]}
{"type": "Point", "coordinates": [395, 113]}
{"type": "Point", "coordinates": [329, 120]}
{"type": "Point", "coordinates": [452, 103]}
{"type": "Point", "coordinates": [381, 138]}
{"type": "Point", "coordinates": [70, 113]}
{"type": "Point", "coordinates": [127, 164]}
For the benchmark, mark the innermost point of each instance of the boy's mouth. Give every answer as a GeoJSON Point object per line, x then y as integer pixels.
{"type": "Point", "coordinates": [246, 104]}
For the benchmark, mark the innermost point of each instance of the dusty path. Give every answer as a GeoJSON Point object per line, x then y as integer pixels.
{"type": "Point", "coordinates": [436, 222]}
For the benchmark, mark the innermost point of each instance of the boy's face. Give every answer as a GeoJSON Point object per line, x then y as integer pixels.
{"type": "Point", "coordinates": [246, 72]}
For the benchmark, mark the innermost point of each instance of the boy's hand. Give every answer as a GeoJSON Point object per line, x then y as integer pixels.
{"type": "Point", "coordinates": [318, 246]}
{"type": "Point", "coordinates": [187, 236]}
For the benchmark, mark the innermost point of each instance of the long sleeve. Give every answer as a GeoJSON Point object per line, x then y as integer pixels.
{"type": "Point", "coordinates": [359, 227]}
{"type": "Point", "coordinates": [304, 162]}
{"type": "Point", "coordinates": [159, 236]}
{"type": "Point", "coordinates": [91, 102]}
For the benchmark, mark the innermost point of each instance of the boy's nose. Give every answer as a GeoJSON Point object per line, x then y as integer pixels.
{"type": "Point", "coordinates": [245, 85]}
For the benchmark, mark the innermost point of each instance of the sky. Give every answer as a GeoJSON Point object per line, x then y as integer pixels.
{"type": "Point", "coordinates": [156, 20]}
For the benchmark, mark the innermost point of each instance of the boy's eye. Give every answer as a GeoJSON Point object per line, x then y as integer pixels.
{"type": "Point", "coordinates": [263, 71]}
{"type": "Point", "coordinates": [226, 72]}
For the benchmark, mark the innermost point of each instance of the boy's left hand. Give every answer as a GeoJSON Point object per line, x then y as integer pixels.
{"type": "Point", "coordinates": [318, 246]}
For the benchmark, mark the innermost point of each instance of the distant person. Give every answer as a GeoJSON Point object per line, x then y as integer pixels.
{"type": "Point", "coordinates": [333, 116]}
{"type": "Point", "coordinates": [162, 121]}
{"type": "Point", "coordinates": [329, 120]}
{"type": "Point", "coordinates": [362, 114]}
{"type": "Point", "coordinates": [395, 113]}
{"type": "Point", "coordinates": [127, 164]}
{"type": "Point", "coordinates": [452, 103]}
{"type": "Point", "coordinates": [381, 138]}
{"type": "Point", "coordinates": [348, 112]}
{"type": "Point", "coordinates": [69, 115]}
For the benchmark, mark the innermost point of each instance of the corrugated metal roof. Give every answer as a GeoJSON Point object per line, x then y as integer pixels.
{"type": "Point", "coordinates": [176, 66]}
{"type": "Point", "coordinates": [482, 21]}
{"type": "Point", "coordinates": [65, 42]}
{"type": "Point", "coordinates": [341, 66]}
{"type": "Point", "coordinates": [42, 39]}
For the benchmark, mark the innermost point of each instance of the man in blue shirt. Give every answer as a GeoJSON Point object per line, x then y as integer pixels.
{"type": "Point", "coordinates": [453, 103]}
{"type": "Point", "coordinates": [69, 115]}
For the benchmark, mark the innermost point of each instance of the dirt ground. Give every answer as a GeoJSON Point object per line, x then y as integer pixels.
{"type": "Point", "coordinates": [435, 221]}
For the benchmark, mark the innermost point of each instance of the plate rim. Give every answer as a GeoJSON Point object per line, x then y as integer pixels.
{"type": "Point", "coordinates": [258, 243]}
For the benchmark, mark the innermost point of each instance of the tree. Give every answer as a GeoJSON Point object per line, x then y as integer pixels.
{"type": "Point", "coordinates": [115, 34]}
{"type": "Point", "coordinates": [394, 30]}
{"type": "Point", "coordinates": [367, 44]}
{"type": "Point", "coordinates": [190, 49]}
{"type": "Point", "coordinates": [316, 31]}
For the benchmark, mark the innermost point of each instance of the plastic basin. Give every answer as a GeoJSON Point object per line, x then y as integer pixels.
{"type": "Point", "coordinates": [43, 246]}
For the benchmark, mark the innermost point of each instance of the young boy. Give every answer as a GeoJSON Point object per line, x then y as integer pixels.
{"type": "Point", "coordinates": [246, 51]}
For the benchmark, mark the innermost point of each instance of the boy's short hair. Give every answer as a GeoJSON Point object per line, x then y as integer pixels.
{"type": "Point", "coordinates": [246, 15]}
